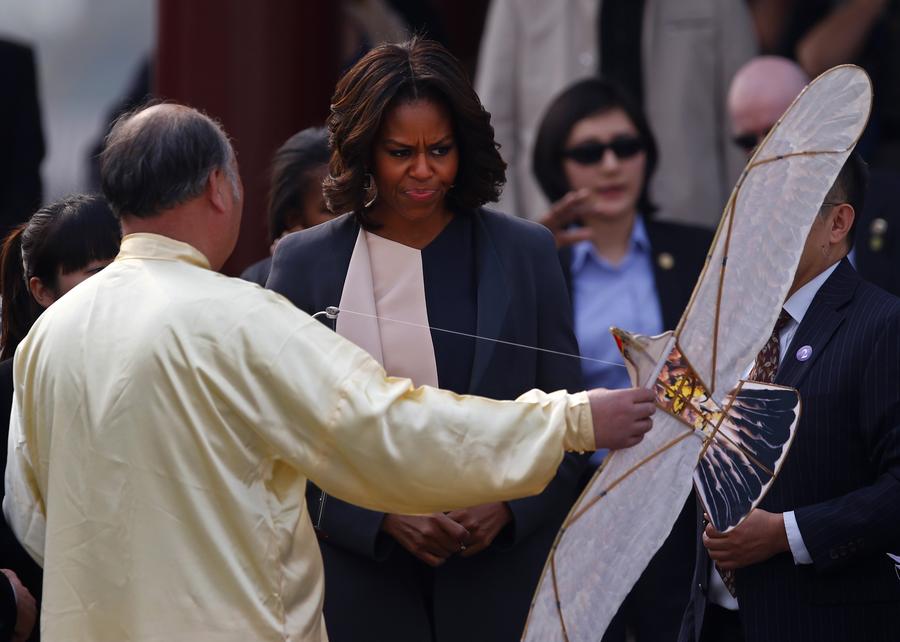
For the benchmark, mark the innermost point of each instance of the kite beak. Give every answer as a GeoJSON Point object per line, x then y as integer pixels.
{"type": "Point", "coordinates": [643, 356]}
{"type": "Point", "coordinates": [622, 339]}
{"type": "Point", "coordinates": [627, 344]}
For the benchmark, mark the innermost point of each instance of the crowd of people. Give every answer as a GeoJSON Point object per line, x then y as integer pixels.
{"type": "Point", "coordinates": [192, 456]}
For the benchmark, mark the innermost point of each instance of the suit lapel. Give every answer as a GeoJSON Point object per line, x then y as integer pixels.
{"type": "Point", "coordinates": [819, 324]}
{"type": "Point", "coordinates": [565, 262]}
{"type": "Point", "coordinates": [345, 231]}
{"type": "Point", "coordinates": [666, 276]}
{"type": "Point", "coordinates": [493, 304]}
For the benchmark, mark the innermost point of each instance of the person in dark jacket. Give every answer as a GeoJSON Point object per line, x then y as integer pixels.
{"type": "Point", "coordinates": [417, 267]}
{"type": "Point", "coordinates": [21, 136]}
{"type": "Point", "coordinates": [295, 193]}
{"type": "Point", "coordinates": [593, 157]}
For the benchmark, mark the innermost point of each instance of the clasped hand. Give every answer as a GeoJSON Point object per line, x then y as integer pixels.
{"type": "Point", "coordinates": [434, 538]}
{"type": "Point", "coordinates": [760, 536]}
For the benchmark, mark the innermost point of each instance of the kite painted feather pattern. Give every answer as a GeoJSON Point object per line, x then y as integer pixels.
{"type": "Point", "coordinates": [726, 436]}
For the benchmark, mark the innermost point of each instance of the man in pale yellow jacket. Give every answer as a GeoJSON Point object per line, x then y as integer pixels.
{"type": "Point", "coordinates": [166, 418]}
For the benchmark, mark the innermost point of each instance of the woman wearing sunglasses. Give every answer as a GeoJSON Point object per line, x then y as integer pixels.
{"type": "Point", "coordinates": [593, 158]}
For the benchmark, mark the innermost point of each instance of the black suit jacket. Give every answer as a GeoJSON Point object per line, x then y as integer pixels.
{"type": "Point", "coordinates": [841, 478]}
{"type": "Point", "coordinates": [12, 555]}
{"type": "Point", "coordinates": [21, 137]}
{"type": "Point", "coordinates": [521, 298]}
{"type": "Point", "coordinates": [650, 611]}
{"type": "Point", "coordinates": [877, 244]}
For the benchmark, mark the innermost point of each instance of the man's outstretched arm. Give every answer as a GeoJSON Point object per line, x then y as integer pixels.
{"type": "Point", "coordinates": [378, 442]}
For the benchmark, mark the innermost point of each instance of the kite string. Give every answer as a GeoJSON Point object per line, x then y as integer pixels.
{"type": "Point", "coordinates": [331, 312]}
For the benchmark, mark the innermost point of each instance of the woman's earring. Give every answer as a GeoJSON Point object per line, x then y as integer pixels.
{"type": "Point", "coordinates": [371, 190]}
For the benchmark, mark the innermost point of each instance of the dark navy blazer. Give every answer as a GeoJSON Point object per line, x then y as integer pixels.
{"type": "Point", "coordinates": [521, 298]}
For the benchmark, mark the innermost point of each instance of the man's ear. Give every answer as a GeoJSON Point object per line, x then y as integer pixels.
{"type": "Point", "coordinates": [215, 186]}
{"type": "Point", "coordinates": [41, 293]}
{"type": "Point", "coordinates": [841, 222]}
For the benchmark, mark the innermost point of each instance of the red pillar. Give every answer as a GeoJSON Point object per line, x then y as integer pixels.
{"type": "Point", "coordinates": [263, 69]}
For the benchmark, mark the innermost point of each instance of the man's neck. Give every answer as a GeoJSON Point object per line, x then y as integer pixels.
{"type": "Point", "coordinates": [808, 275]}
{"type": "Point", "coordinates": [180, 223]}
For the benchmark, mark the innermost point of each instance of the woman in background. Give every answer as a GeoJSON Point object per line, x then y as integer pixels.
{"type": "Point", "coordinates": [60, 246]}
{"type": "Point", "coordinates": [413, 163]}
{"type": "Point", "coordinates": [295, 193]}
{"type": "Point", "coordinates": [594, 157]}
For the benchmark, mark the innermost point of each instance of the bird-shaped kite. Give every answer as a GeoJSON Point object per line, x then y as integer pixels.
{"type": "Point", "coordinates": [726, 435]}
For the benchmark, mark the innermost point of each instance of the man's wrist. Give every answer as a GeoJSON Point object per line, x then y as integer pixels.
{"type": "Point", "coordinates": [796, 545]}
{"type": "Point", "coordinates": [779, 533]}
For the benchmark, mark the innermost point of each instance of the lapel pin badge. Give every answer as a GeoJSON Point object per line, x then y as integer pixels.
{"type": "Point", "coordinates": [804, 353]}
{"type": "Point", "coordinates": [665, 260]}
{"type": "Point", "coordinates": [878, 228]}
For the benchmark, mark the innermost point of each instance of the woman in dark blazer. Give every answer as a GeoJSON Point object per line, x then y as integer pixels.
{"type": "Point", "coordinates": [414, 161]}
{"type": "Point", "coordinates": [593, 157]}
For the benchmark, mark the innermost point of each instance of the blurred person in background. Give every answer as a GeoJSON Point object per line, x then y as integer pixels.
{"type": "Point", "coordinates": [770, 17]}
{"type": "Point", "coordinates": [21, 136]}
{"type": "Point", "coordinates": [759, 94]}
{"type": "Point", "coordinates": [413, 163]}
{"type": "Point", "coordinates": [60, 246]}
{"type": "Point", "coordinates": [674, 57]}
{"type": "Point", "coordinates": [824, 33]}
{"type": "Point", "coordinates": [295, 198]}
{"type": "Point", "coordinates": [594, 157]}
{"type": "Point", "coordinates": [140, 90]}
{"type": "Point", "coordinates": [368, 23]}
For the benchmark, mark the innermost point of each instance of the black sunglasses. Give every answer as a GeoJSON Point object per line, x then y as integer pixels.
{"type": "Point", "coordinates": [748, 142]}
{"type": "Point", "coordinates": [593, 152]}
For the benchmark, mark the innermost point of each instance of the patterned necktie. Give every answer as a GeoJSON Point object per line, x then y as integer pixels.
{"type": "Point", "coordinates": [764, 371]}
{"type": "Point", "coordinates": [766, 365]}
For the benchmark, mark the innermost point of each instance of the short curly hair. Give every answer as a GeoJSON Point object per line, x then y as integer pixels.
{"type": "Point", "coordinates": [390, 73]}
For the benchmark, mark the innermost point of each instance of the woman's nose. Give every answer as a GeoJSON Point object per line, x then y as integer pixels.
{"type": "Point", "coordinates": [609, 161]}
{"type": "Point", "coordinates": [421, 168]}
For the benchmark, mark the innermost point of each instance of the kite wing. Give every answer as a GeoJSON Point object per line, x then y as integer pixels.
{"type": "Point", "coordinates": [628, 509]}
{"type": "Point", "coordinates": [761, 236]}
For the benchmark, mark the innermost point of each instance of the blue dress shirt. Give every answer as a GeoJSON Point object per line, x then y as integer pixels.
{"type": "Point", "coordinates": [605, 295]}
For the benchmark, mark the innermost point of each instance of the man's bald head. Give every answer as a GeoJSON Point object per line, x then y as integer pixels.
{"type": "Point", "coordinates": [760, 93]}
{"type": "Point", "coordinates": [161, 156]}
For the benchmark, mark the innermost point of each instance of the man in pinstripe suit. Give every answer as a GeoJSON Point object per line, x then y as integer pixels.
{"type": "Point", "coordinates": [811, 562]}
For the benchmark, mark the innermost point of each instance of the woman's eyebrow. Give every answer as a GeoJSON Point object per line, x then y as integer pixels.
{"type": "Point", "coordinates": [391, 141]}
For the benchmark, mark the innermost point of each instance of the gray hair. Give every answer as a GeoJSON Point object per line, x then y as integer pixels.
{"type": "Point", "coordinates": [161, 156]}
